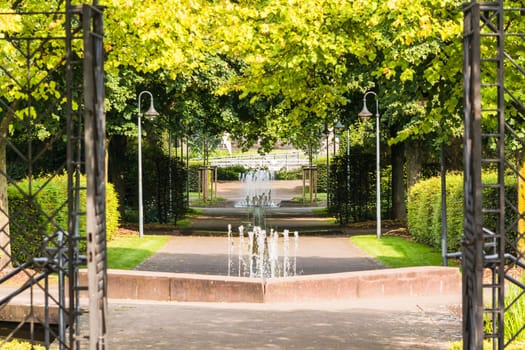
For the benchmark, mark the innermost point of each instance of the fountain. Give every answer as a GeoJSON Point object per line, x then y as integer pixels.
{"type": "Point", "coordinates": [257, 189]}
{"type": "Point", "coordinates": [262, 255]}
{"type": "Point", "coordinates": [263, 266]}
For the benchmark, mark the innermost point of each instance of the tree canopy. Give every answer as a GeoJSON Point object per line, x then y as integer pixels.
{"type": "Point", "coordinates": [289, 65]}
{"type": "Point", "coordinates": [267, 71]}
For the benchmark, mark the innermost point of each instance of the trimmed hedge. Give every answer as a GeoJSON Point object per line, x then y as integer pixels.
{"type": "Point", "coordinates": [352, 195]}
{"type": "Point", "coordinates": [424, 209]}
{"type": "Point", "coordinates": [295, 174]}
{"type": "Point", "coordinates": [35, 217]}
{"type": "Point", "coordinates": [230, 173]}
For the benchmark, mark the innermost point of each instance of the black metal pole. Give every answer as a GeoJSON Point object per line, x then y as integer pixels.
{"type": "Point", "coordinates": [187, 171]}
{"type": "Point", "coordinates": [327, 167]}
{"type": "Point", "coordinates": [348, 175]}
{"type": "Point", "coordinates": [443, 207]}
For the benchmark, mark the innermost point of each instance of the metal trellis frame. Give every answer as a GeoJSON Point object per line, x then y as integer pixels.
{"type": "Point", "coordinates": [52, 131]}
{"type": "Point", "coordinates": [491, 252]}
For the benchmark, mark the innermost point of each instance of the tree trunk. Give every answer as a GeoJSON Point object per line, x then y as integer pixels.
{"type": "Point", "coordinates": [398, 183]}
{"type": "Point", "coordinates": [413, 160]}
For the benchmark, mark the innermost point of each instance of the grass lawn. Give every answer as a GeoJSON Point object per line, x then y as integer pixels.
{"type": "Point", "coordinates": [127, 251]}
{"type": "Point", "coordinates": [394, 251]}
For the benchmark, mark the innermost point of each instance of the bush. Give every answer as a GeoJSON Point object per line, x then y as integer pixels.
{"type": "Point", "coordinates": [233, 172]}
{"type": "Point", "coordinates": [283, 174]}
{"type": "Point", "coordinates": [230, 173]}
{"type": "Point", "coordinates": [321, 175]}
{"type": "Point", "coordinates": [39, 208]}
{"type": "Point", "coordinates": [193, 176]}
{"type": "Point", "coordinates": [424, 209]}
{"type": "Point", "coordinates": [352, 188]}
{"type": "Point", "coordinates": [20, 345]}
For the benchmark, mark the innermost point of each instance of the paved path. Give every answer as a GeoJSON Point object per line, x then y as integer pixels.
{"type": "Point", "coordinates": [209, 255]}
{"type": "Point", "coordinates": [234, 191]}
{"type": "Point", "coordinates": [367, 324]}
{"type": "Point", "coordinates": [302, 219]}
{"type": "Point", "coordinates": [393, 324]}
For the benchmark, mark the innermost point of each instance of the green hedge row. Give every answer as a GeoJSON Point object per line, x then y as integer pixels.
{"type": "Point", "coordinates": [43, 213]}
{"type": "Point", "coordinates": [424, 208]}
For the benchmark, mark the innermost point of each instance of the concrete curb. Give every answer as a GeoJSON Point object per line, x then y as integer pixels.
{"type": "Point", "coordinates": [25, 312]}
{"type": "Point", "coordinates": [165, 286]}
{"type": "Point", "coordinates": [403, 282]}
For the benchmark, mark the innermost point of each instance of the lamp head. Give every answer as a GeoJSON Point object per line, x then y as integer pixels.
{"type": "Point", "coordinates": [365, 113]}
{"type": "Point", "coordinates": [151, 112]}
{"type": "Point", "coordinates": [338, 126]}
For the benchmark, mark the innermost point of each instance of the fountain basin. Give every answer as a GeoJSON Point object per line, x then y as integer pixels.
{"type": "Point", "coordinates": [167, 286]}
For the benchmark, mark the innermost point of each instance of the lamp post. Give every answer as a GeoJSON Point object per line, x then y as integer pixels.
{"type": "Point", "coordinates": [348, 174]}
{"type": "Point", "coordinates": [338, 128]}
{"type": "Point", "coordinates": [326, 131]}
{"type": "Point", "coordinates": [151, 112]}
{"type": "Point", "coordinates": [170, 192]}
{"type": "Point", "coordinates": [365, 113]}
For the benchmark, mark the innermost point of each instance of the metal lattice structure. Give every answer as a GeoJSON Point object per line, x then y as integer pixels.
{"type": "Point", "coordinates": [52, 132]}
{"type": "Point", "coordinates": [494, 114]}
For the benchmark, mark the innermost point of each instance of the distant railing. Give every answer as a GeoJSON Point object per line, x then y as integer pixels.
{"type": "Point", "coordinates": [277, 161]}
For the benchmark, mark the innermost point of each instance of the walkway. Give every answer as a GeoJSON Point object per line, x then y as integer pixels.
{"type": "Point", "coordinates": [367, 324]}
{"type": "Point", "coordinates": [209, 255]}
{"type": "Point", "coordinates": [393, 324]}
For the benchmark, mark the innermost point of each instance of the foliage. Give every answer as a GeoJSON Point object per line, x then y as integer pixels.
{"type": "Point", "coordinates": [309, 58]}
{"type": "Point", "coordinates": [40, 77]}
{"type": "Point", "coordinates": [167, 36]}
{"type": "Point", "coordinates": [393, 251]}
{"type": "Point", "coordinates": [514, 314]}
{"type": "Point", "coordinates": [284, 70]}
{"type": "Point", "coordinates": [125, 251]}
{"type": "Point", "coordinates": [284, 174]}
{"type": "Point", "coordinates": [193, 176]}
{"type": "Point", "coordinates": [164, 181]}
{"type": "Point", "coordinates": [353, 177]}
{"type": "Point", "coordinates": [230, 173]}
{"type": "Point", "coordinates": [38, 209]}
{"type": "Point", "coordinates": [353, 189]}
{"type": "Point", "coordinates": [209, 203]}
{"type": "Point", "coordinates": [423, 201]}
{"type": "Point", "coordinates": [321, 166]}
{"type": "Point", "coordinates": [424, 209]}
{"type": "Point", "coordinates": [281, 70]}
{"type": "Point", "coordinates": [487, 345]}
{"type": "Point", "coordinates": [19, 345]}
{"type": "Point", "coordinates": [514, 320]}
{"type": "Point", "coordinates": [160, 175]}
